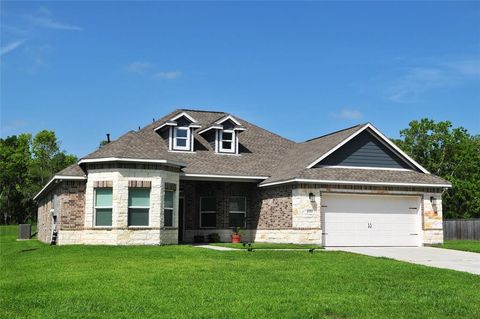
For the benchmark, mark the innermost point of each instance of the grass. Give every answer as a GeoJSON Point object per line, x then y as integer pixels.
{"type": "Point", "coordinates": [465, 245]}
{"type": "Point", "coordinates": [41, 281]}
{"type": "Point", "coordinates": [267, 246]}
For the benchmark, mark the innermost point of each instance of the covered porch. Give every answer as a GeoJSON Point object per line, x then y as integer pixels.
{"type": "Point", "coordinates": [217, 207]}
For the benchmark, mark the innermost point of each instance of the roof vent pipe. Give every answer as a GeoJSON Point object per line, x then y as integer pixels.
{"type": "Point", "coordinates": [108, 137]}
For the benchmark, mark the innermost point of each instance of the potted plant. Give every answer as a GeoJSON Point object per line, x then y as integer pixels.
{"type": "Point", "coordinates": [236, 235]}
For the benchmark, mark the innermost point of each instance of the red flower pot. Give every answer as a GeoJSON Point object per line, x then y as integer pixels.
{"type": "Point", "coordinates": [236, 238]}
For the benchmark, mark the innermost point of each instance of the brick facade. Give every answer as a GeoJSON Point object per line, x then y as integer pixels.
{"type": "Point", "coordinates": [68, 200]}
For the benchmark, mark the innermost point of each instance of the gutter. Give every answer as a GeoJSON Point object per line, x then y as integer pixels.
{"type": "Point", "coordinates": [333, 182]}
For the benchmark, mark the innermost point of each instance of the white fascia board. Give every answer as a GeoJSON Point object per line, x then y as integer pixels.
{"type": "Point", "coordinates": [58, 177]}
{"type": "Point", "coordinates": [370, 168]}
{"type": "Point", "coordinates": [192, 176]}
{"type": "Point", "coordinates": [183, 114]}
{"type": "Point", "coordinates": [166, 124]}
{"type": "Point", "coordinates": [321, 181]}
{"type": "Point", "coordinates": [210, 128]}
{"type": "Point", "coordinates": [396, 148]}
{"type": "Point", "coordinates": [383, 139]}
{"type": "Point", "coordinates": [336, 147]}
{"type": "Point", "coordinates": [228, 117]}
{"type": "Point", "coordinates": [134, 160]}
{"type": "Point", "coordinates": [239, 129]}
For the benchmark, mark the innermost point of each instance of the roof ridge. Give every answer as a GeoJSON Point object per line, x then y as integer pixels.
{"type": "Point", "coordinates": [203, 111]}
{"type": "Point", "coordinates": [342, 130]}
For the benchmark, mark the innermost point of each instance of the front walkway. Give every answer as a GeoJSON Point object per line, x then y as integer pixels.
{"type": "Point", "coordinates": [216, 247]}
{"type": "Point", "coordinates": [428, 256]}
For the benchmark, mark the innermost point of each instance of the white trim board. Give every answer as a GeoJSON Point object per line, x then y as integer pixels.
{"type": "Point", "coordinates": [134, 160]}
{"type": "Point", "coordinates": [228, 117]}
{"type": "Point", "coordinates": [323, 181]}
{"type": "Point", "coordinates": [59, 177]}
{"type": "Point", "coordinates": [383, 138]}
{"type": "Point", "coordinates": [370, 168]}
{"type": "Point", "coordinates": [183, 114]}
{"type": "Point", "coordinates": [211, 177]}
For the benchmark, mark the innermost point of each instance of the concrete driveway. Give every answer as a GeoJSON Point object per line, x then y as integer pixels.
{"type": "Point", "coordinates": [428, 256]}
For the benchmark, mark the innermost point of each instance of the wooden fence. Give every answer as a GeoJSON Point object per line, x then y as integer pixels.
{"type": "Point", "coordinates": [461, 229]}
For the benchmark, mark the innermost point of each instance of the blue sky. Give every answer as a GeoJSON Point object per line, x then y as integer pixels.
{"type": "Point", "coordinates": [298, 69]}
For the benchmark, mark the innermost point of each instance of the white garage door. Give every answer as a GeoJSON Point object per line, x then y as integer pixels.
{"type": "Point", "coordinates": [371, 220]}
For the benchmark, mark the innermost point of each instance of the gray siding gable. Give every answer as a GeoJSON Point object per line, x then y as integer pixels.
{"type": "Point", "coordinates": [365, 150]}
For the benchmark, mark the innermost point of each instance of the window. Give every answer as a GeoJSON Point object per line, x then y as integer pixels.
{"type": "Point", "coordinates": [168, 209]}
{"type": "Point", "coordinates": [208, 212]}
{"type": "Point", "coordinates": [237, 211]}
{"type": "Point", "coordinates": [138, 206]}
{"type": "Point", "coordinates": [181, 138]}
{"type": "Point", "coordinates": [103, 207]}
{"type": "Point", "coordinates": [227, 141]}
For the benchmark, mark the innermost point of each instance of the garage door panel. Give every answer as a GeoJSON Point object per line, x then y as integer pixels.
{"type": "Point", "coordinates": [371, 220]}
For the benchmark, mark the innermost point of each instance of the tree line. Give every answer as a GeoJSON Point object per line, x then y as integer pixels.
{"type": "Point", "coordinates": [27, 163]}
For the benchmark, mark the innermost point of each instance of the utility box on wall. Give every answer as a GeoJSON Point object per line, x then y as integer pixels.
{"type": "Point", "coordinates": [24, 231]}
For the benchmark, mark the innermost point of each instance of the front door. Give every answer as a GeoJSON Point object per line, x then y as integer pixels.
{"type": "Point", "coordinates": [181, 215]}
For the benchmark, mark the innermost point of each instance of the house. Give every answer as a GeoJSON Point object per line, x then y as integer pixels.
{"type": "Point", "coordinates": [195, 173]}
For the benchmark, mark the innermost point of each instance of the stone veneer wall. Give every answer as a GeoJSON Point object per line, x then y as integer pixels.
{"type": "Point", "coordinates": [120, 233]}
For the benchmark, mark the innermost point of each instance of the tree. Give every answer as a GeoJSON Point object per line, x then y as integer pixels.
{"type": "Point", "coordinates": [15, 160]}
{"type": "Point", "coordinates": [451, 153]}
{"type": "Point", "coordinates": [26, 165]}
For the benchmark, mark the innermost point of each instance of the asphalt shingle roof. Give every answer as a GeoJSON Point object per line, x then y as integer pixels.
{"type": "Point", "coordinates": [263, 153]}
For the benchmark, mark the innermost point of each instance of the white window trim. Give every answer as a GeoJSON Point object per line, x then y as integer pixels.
{"type": "Point", "coordinates": [139, 207]}
{"type": "Point", "coordinates": [100, 207]}
{"type": "Point", "coordinates": [206, 212]}
{"type": "Point", "coordinates": [169, 208]}
{"type": "Point", "coordinates": [187, 138]}
{"type": "Point", "coordinates": [238, 211]}
{"type": "Point", "coordinates": [232, 141]}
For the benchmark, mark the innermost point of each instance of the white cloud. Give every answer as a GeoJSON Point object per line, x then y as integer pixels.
{"type": "Point", "coordinates": [11, 46]}
{"type": "Point", "coordinates": [415, 82]}
{"type": "Point", "coordinates": [44, 18]}
{"type": "Point", "coordinates": [466, 67]}
{"type": "Point", "coordinates": [13, 126]}
{"type": "Point", "coordinates": [348, 114]}
{"type": "Point", "coordinates": [170, 75]}
{"type": "Point", "coordinates": [139, 67]}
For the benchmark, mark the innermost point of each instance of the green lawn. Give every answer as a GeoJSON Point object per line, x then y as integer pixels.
{"type": "Point", "coordinates": [466, 245]}
{"type": "Point", "coordinates": [41, 281]}
{"type": "Point", "coordinates": [267, 246]}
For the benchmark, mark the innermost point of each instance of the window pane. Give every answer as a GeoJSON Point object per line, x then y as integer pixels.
{"type": "Point", "coordinates": [103, 217]}
{"type": "Point", "coordinates": [103, 197]}
{"type": "Point", "coordinates": [139, 197]}
{"type": "Point", "coordinates": [168, 217]}
{"type": "Point", "coordinates": [181, 132]}
{"type": "Point", "coordinates": [227, 136]}
{"type": "Point", "coordinates": [180, 142]}
{"type": "Point", "coordinates": [137, 217]}
{"type": "Point", "coordinates": [237, 220]}
{"type": "Point", "coordinates": [209, 220]}
{"type": "Point", "coordinates": [237, 204]}
{"type": "Point", "coordinates": [227, 145]}
{"type": "Point", "coordinates": [208, 204]}
{"type": "Point", "coordinates": [168, 199]}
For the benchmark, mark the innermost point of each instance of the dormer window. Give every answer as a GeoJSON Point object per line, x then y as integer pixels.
{"type": "Point", "coordinates": [227, 141]}
{"type": "Point", "coordinates": [181, 138]}
{"type": "Point", "coordinates": [178, 132]}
